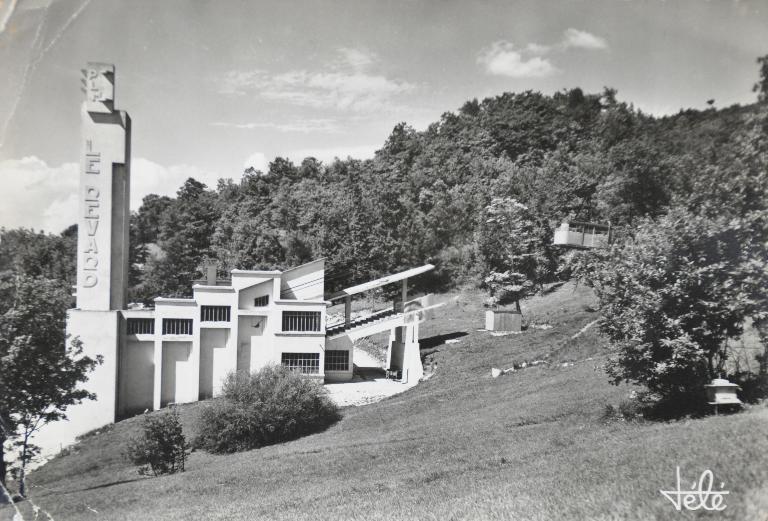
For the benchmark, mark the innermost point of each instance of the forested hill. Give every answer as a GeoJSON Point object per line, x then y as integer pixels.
{"type": "Point", "coordinates": [421, 198]}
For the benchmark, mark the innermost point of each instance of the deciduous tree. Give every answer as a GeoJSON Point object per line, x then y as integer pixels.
{"type": "Point", "coordinates": [41, 368]}
{"type": "Point", "coordinates": [514, 249]}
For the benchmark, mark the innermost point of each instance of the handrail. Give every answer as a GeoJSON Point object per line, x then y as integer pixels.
{"type": "Point", "coordinates": [403, 316]}
{"type": "Point", "coordinates": [366, 317]}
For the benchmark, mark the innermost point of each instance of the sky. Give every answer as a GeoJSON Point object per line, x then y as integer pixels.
{"type": "Point", "coordinates": [213, 87]}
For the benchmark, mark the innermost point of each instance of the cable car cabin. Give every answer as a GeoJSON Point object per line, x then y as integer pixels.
{"type": "Point", "coordinates": [584, 235]}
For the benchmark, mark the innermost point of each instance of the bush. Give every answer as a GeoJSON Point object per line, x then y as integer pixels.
{"type": "Point", "coordinates": [629, 409]}
{"type": "Point", "coordinates": [269, 406]}
{"type": "Point", "coordinates": [670, 300]}
{"type": "Point", "coordinates": [753, 387]}
{"type": "Point", "coordinates": [162, 448]}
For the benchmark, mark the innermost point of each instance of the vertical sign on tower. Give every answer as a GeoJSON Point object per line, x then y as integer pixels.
{"type": "Point", "coordinates": [102, 262]}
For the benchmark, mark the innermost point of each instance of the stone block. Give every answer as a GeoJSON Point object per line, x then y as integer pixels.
{"type": "Point", "coordinates": [502, 320]}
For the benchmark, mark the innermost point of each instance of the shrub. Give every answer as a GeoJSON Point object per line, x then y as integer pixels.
{"type": "Point", "coordinates": [609, 413]}
{"type": "Point", "coordinates": [670, 299]}
{"type": "Point", "coordinates": [269, 406]}
{"type": "Point", "coordinates": [753, 387]}
{"type": "Point", "coordinates": [162, 447]}
{"type": "Point", "coordinates": [630, 409]}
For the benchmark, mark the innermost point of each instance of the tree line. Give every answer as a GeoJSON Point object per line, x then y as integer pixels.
{"type": "Point", "coordinates": [422, 197]}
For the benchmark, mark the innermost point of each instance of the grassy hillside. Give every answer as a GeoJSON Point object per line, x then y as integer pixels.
{"type": "Point", "coordinates": [527, 445]}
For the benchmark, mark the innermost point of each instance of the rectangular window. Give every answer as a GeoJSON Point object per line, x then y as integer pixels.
{"type": "Point", "coordinates": [336, 360]}
{"type": "Point", "coordinates": [261, 302]}
{"type": "Point", "coordinates": [301, 321]}
{"type": "Point", "coordinates": [141, 326]}
{"type": "Point", "coordinates": [214, 313]}
{"type": "Point", "coordinates": [177, 326]}
{"type": "Point", "coordinates": [304, 363]}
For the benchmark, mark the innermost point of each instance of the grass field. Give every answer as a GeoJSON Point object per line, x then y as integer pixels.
{"type": "Point", "coordinates": [527, 445]}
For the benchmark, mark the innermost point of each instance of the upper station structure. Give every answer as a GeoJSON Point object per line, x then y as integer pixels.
{"type": "Point", "coordinates": [583, 235]}
{"type": "Point", "coordinates": [182, 350]}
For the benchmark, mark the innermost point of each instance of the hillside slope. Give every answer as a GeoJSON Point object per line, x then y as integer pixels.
{"type": "Point", "coordinates": [462, 445]}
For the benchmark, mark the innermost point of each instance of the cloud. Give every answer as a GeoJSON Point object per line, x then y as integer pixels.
{"type": "Point", "coordinates": [534, 60]}
{"type": "Point", "coordinates": [304, 125]}
{"type": "Point", "coordinates": [258, 161]}
{"type": "Point", "coordinates": [346, 84]}
{"type": "Point", "coordinates": [357, 58]}
{"type": "Point", "coordinates": [44, 197]}
{"type": "Point", "coordinates": [535, 48]}
{"type": "Point", "coordinates": [36, 195]}
{"type": "Point", "coordinates": [582, 40]}
{"type": "Point", "coordinates": [501, 59]}
{"type": "Point", "coordinates": [240, 83]}
{"type": "Point", "coordinates": [148, 177]}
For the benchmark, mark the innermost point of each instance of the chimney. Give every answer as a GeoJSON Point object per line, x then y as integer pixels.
{"type": "Point", "coordinates": [210, 273]}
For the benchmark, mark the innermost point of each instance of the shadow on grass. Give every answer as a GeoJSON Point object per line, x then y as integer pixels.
{"type": "Point", "coordinates": [683, 406]}
{"type": "Point", "coordinates": [85, 489]}
{"type": "Point", "coordinates": [106, 485]}
{"type": "Point", "coordinates": [438, 340]}
{"type": "Point", "coordinates": [551, 288]}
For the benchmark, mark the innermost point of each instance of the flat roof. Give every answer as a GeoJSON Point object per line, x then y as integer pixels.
{"type": "Point", "coordinates": [383, 281]}
{"type": "Point", "coordinates": [173, 300]}
{"type": "Point", "coordinates": [587, 224]}
{"type": "Point", "coordinates": [255, 272]}
{"type": "Point", "coordinates": [219, 289]}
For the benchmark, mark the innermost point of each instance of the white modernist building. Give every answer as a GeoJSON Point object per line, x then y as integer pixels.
{"type": "Point", "coordinates": [182, 349]}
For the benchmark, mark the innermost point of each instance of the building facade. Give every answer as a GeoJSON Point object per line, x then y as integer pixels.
{"type": "Point", "coordinates": [183, 349]}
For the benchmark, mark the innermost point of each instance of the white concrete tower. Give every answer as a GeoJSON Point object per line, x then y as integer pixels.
{"type": "Point", "coordinates": [105, 174]}
{"type": "Point", "coordinates": [102, 254]}
{"type": "Point", "coordinates": [102, 251]}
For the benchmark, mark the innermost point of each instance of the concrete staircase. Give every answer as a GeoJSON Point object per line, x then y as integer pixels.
{"type": "Point", "coordinates": [374, 321]}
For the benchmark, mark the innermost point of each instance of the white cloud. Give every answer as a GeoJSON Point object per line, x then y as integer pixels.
{"type": "Point", "coordinates": [148, 177]}
{"type": "Point", "coordinates": [344, 85]}
{"type": "Point", "coordinates": [258, 161]}
{"type": "Point", "coordinates": [37, 195]}
{"type": "Point", "coordinates": [240, 83]}
{"type": "Point", "coordinates": [536, 48]}
{"type": "Point", "coordinates": [582, 39]}
{"type": "Point", "coordinates": [304, 125]}
{"type": "Point", "coordinates": [357, 58]}
{"type": "Point", "coordinates": [501, 59]}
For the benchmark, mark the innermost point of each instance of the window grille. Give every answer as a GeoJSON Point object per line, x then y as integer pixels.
{"type": "Point", "coordinates": [214, 313]}
{"type": "Point", "coordinates": [141, 326]}
{"type": "Point", "coordinates": [261, 302]}
{"type": "Point", "coordinates": [301, 321]}
{"type": "Point", "coordinates": [336, 360]}
{"type": "Point", "coordinates": [177, 326]}
{"type": "Point", "coordinates": [304, 363]}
